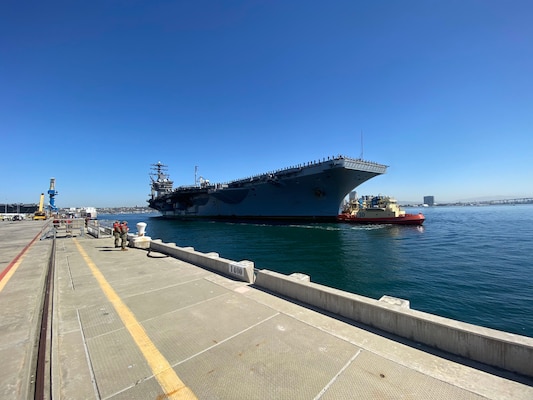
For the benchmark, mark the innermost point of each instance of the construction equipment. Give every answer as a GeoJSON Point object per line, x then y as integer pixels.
{"type": "Point", "coordinates": [40, 214]}
{"type": "Point", "coordinates": [52, 194]}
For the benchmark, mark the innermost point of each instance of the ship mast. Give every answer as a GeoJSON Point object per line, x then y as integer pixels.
{"type": "Point", "coordinates": [361, 145]}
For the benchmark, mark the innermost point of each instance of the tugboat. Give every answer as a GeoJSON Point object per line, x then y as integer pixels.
{"type": "Point", "coordinates": [378, 210]}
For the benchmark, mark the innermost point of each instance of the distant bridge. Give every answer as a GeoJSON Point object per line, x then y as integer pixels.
{"type": "Point", "coordinates": [524, 200]}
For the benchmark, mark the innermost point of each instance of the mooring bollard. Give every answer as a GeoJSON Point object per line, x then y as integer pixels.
{"type": "Point", "coordinates": [141, 226]}
{"type": "Point", "coordinates": [140, 240]}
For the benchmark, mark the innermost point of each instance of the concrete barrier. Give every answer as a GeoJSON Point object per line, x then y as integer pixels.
{"type": "Point", "coordinates": [492, 347]}
{"type": "Point", "coordinates": [241, 270]}
{"type": "Point", "coordinates": [139, 242]}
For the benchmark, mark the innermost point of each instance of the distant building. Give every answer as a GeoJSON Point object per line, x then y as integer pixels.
{"type": "Point", "coordinates": [18, 208]}
{"type": "Point", "coordinates": [429, 200]}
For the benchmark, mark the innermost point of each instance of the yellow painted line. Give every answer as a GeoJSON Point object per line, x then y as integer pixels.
{"type": "Point", "coordinates": [10, 273]}
{"type": "Point", "coordinates": [169, 381]}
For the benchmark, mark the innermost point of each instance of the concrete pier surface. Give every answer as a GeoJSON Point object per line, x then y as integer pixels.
{"type": "Point", "coordinates": [142, 325]}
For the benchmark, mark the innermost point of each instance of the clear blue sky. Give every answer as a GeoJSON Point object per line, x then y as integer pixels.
{"type": "Point", "coordinates": [93, 92]}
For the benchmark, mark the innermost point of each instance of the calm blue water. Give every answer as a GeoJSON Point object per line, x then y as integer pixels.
{"type": "Point", "coordinates": [472, 264]}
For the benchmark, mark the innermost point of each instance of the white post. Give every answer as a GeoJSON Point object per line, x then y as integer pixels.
{"type": "Point", "coordinates": [141, 226]}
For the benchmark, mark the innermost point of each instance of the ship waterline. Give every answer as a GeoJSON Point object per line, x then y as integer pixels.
{"type": "Point", "coordinates": [311, 191]}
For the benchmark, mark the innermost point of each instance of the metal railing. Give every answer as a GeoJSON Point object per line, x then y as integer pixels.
{"type": "Point", "coordinates": [98, 230]}
{"type": "Point", "coordinates": [63, 227]}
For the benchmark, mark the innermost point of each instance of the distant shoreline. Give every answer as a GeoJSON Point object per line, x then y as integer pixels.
{"type": "Point", "coordinates": [525, 200]}
{"type": "Point", "coordinates": [147, 210]}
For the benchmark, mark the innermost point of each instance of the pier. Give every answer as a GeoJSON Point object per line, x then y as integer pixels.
{"type": "Point", "coordinates": [81, 319]}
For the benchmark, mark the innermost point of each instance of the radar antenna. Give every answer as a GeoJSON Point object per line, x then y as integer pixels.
{"type": "Point", "coordinates": [362, 149]}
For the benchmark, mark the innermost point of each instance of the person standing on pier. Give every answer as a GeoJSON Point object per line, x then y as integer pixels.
{"type": "Point", "coordinates": [124, 234]}
{"type": "Point", "coordinates": [116, 233]}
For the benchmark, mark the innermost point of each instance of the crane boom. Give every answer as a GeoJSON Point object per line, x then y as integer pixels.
{"type": "Point", "coordinates": [40, 214]}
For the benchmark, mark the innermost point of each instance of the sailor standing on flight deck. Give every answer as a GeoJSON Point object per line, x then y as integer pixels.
{"type": "Point", "coordinates": [124, 234]}
{"type": "Point", "coordinates": [116, 233]}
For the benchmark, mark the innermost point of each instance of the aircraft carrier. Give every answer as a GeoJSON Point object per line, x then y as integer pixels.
{"type": "Point", "coordinates": [309, 191]}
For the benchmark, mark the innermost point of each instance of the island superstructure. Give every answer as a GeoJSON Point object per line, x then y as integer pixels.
{"type": "Point", "coordinates": [309, 191]}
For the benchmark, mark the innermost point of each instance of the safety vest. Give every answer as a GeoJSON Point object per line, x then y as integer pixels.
{"type": "Point", "coordinates": [124, 228]}
{"type": "Point", "coordinates": [116, 227]}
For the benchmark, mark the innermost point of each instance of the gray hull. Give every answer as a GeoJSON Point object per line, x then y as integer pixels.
{"type": "Point", "coordinates": [311, 191]}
